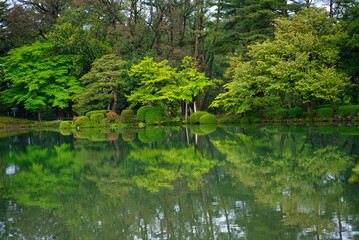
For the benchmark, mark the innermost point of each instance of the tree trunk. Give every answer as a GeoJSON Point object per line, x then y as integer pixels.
{"type": "Point", "coordinates": [196, 40]}
{"type": "Point", "coordinates": [60, 113]}
{"type": "Point", "coordinates": [186, 110]}
{"type": "Point", "coordinates": [114, 96]}
{"type": "Point", "coordinates": [310, 108]}
{"type": "Point", "coordinates": [39, 114]}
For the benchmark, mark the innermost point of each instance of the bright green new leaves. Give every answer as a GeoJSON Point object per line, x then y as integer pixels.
{"type": "Point", "coordinates": [101, 84]}
{"type": "Point", "coordinates": [157, 83]}
{"type": "Point", "coordinates": [36, 77]}
{"type": "Point", "coordinates": [298, 63]}
{"type": "Point", "coordinates": [160, 83]}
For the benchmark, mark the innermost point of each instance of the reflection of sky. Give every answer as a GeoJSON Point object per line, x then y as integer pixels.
{"type": "Point", "coordinates": [12, 169]}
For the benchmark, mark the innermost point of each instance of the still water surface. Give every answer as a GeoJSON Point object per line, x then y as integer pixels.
{"type": "Point", "coordinates": [252, 182]}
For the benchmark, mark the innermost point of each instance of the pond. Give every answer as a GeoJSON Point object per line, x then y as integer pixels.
{"type": "Point", "coordinates": [202, 182]}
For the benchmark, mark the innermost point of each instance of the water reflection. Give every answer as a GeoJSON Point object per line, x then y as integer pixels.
{"type": "Point", "coordinates": [252, 182]}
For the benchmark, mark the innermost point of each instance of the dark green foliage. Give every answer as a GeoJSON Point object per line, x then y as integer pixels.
{"type": "Point", "coordinates": [324, 105]}
{"type": "Point", "coordinates": [254, 119]}
{"type": "Point", "coordinates": [194, 118]}
{"type": "Point", "coordinates": [295, 112]}
{"type": "Point", "coordinates": [325, 112]}
{"type": "Point", "coordinates": [112, 116]}
{"type": "Point", "coordinates": [245, 120]}
{"type": "Point", "coordinates": [282, 113]}
{"type": "Point", "coordinates": [348, 130]}
{"type": "Point", "coordinates": [270, 115]}
{"type": "Point", "coordinates": [154, 115]}
{"type": "Point", "coordinates": [65, 125]}
{"type": "Point", "coordinates": [141, 112]}
{"type": "Point", "coordinates": [127, 116]}
{"type": "Point", "coordinates": [349, 110]}
{"type": "Point", "coordinates": [325, 129]}
{"type": "Point", "coordinates": [98, 134]}
{"type": "Point", "coordinates": [98, 120]}
{"type": "Point", "coordinates": [82, 122]}
{"type": "Point", "coordinates": [208, 119]}
{"type": "Point", "coordinates": [96, 112]}
{"type": "Point", "coordinates": [297, 130]}
{"type": "Point", "coordinates": [223, 121]}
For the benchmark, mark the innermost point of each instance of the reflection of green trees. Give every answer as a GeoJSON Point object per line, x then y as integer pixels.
{"type": "Point", "coordinates": [293, 173]}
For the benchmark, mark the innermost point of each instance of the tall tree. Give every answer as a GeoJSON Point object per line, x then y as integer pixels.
{"type": "Point", "coordinates": [101, 84]}
{"type": "Point", "coordinates": [37, 78]}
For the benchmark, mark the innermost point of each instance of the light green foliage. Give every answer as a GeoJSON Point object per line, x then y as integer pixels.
{"type": "Point", "coordinates": [154, 115]}
{"type": "Point", "coordinates": [141, 112]}
{"type": "Point", "coordinates": [325, 112]}
{"type": "Point", "coordinates": [82, 122]}
{"type": "Point", "coordinates": [299, 61]}
{"type": "Point", "coordinates": [37, 77]}
{"type": "Point", "coordinates": [103, 112]}
{"type": "Point", "coordinates": [160, 83]}
{"type": "Point", "coordinates": [127, 116]}
{"type": "Point", "coordinates": [65, 125]}
{"type": "Point", "coordinates": [157, 83]}
{"type": "Point", "coordinates": [208, 119]}
{"type": "Point", "coordinates": [295, 112]}
{"type": "Point", "coordinates": [350, 110]}
{"type": "Point", "coordinates": [151, 134]}
{"type": "Point", "coordinates": [97, 120]}
{"type": "Point", "coordinates": [112, 117]}
{"type": "Point", "coordinates": [191, 81]}
{"type": "Point", "coordinates": [194, 118]}
{"type": "Point", "coordinates": [101, 84]}
{"type": "Point", "coordinates": [282, 113]}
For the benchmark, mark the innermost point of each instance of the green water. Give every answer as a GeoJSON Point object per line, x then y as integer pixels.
{"type": "Point", "coordinates": [253, 182]}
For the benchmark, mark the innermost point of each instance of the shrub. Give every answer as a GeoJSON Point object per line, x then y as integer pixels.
{"type": "Point", "coordinates": [98, 135]}
{"type": "Point", "coordinates": [208, 119]}
{"type": "Point", "coordinates": [128, 135]}
{"type": "Point", "coordinates": [127, 116]}
{"type": "Point", "coordinates": [82, 132]}
{"type": "Point", "coordinates": [83, 122]}
{"type": "Point", "coordinates": [349, 110]}
{"type": "Point", "coordinates": [194, 118]}
{"type": "Point", "coordinates": [112, 135]}
{"type": "Point", "coordinates": [97, 120]}
{"type": "Point", "coordinates": [65, 131]}
{"type": "Point", "coordinates": [65, 125]}
{"type": "Point", "coordinates": [324, 105]}
{"type": "Point", "coordinates": [325, 112]}
{"type": "Point", "coordinates": [295, 112]}
{"type": "Point", "coordinates": [154, 115]}
{"type": "Point", "coordinates": [208, 128]}
{"type": "Point", "coordinates": [282, 113]}
{"type": "Point", "coordinates": [325, 129]}
{"type": "Point", "coordinates": [103, 112]}
{"type": "Point", "coordinates": [141, 112]}
{"type": "Point", "coordinates": [74, 119]}
{"type": "Point", "coordinates": [112, 116]}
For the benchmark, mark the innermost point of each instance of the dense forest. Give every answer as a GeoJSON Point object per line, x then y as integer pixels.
{"type": "Point", "coordinates": [61, 58]}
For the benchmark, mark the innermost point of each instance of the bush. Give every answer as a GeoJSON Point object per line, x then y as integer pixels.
{"type": "Point", "coordinates": [282, 113]}
{"type": "Point", "coordinates": [325, 112]}
{"type": "Point", "coordinates": [295, 112]}
{"type": "Point", "coordinates": [324, 105]}
{"type": "Point", "coordinates": [74, 119]}
{"type": "Point", "coordinates": [97, 120]}
{"type": "Point", "coordinates": [349, 110]}
{"type": "Point", "coordinates": [154, 115]}
{"type": "Point", "coordinates": [112, 116]}
{"type": "Point", "coordinates": [82, 132]}
{"type": "Point", "coordinates": [208, 119]}
{"type": "Point", "coordinates": [103, 112]}
{"type": "Point", "coordinates": [83, 122]}
{"type": "Point", "coordinates": [141, 112]}
{"type": "Point", "coordinates": [98, 134]}
{"type": "Point", "coordinates": [194, 118]}
{"type": "Point", "coordinates": [127, 116]}
{"type": "Point", "coordinates": [128, 135]}
{"type": "Point", "coordinates": [203, 129]}
{"type": "Point", "coordinates": [65, 125]}
{"type": "Point", "coordinates": [65, 131]}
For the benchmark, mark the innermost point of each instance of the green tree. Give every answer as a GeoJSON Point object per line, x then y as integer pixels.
{"type": "Point", "coordinates": [101, 84]}
{"type": "Point", "coordinates": [36, 77]}
{"type": "Point", "coordinates": [298, 63]}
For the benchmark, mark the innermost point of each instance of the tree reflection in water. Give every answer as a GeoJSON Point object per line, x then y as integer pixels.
{"type": "Point", "coordinates": [274, 182]}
